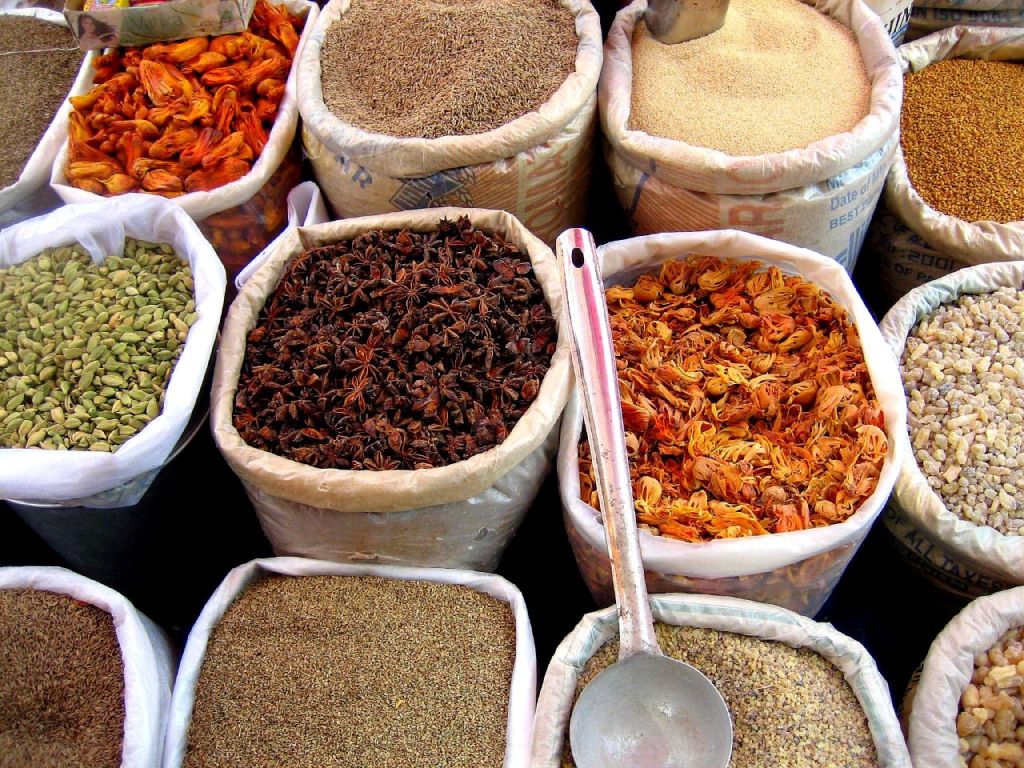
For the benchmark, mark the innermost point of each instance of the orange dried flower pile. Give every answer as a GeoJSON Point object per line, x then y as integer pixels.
{"type": "Point", "coordinates": [746, 401]}
{"type": "Point", "coordinates": [182, 117]}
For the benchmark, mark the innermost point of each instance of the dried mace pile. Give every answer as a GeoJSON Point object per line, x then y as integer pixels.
{"type": "Point", "coordinates": [396, 350]}
{"type": "Point", "coordinates": [746, 400]}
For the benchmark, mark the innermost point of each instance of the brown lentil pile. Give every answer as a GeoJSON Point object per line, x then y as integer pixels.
{"type": "Point", "coordinates": [61, 683]}
{"type": "Point", "coordinates": [990, 724]}
{"type": "Point", "coordinates": [790, 706]}
{"type": "Point", "coordinates": [962, 133]}
{"type": "Point", "coordinates": [38, 64]}
{"type": "Point", "coordinates": [778, 75]}
{"type": "Point", "coordinates": [353, 672]}
{"type": "Point", "coordinates": [447, 67]}
{"type": "Point", "coordinates": [396, 350]}
{"type": "Point", "coordinates": [963, 371]}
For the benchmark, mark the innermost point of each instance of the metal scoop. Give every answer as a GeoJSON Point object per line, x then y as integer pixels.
{"type": "Point", "coordinates": [676, 21]}
{"type": "Point", "coordinates": [647, 710]}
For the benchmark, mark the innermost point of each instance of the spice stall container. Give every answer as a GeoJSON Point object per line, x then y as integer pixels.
{"type": "Point", "coordinates": [409, 498]}
{"type": "Point", "coordinates": [965, 708]}
{"type": "Point", "coordinates": [28, 193]}
{"type": "Point", "coordinates": [778, 174]}
{"type": "Point", "coordinates": [485, 147]}
{"type": "Point", "coordinates": [89, 676]}
{"type": "Point", "coordinates": [798, 565]}
{"type": "Point", "coordinates": [240, 204]}
{"type": "Point", "coordinates": [384, 664]}
{"type": "Point", "coordinates": [957, 489]}
{"type": "Point", "coordinates": [85, 493]}
{"type": "Point", "coordinates": [966, 152]}
{"type": "Point", "coordinates": [810, 719]}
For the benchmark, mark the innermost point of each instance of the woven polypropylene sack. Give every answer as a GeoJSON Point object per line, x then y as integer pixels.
{"type": "Point", "coordinates": [977, 548]}
{"type": "Point", "coordinates": [536, 167]}
{"type": "Point", "coordinates": [551, 725]}
{"type": "Point", "coordinates": [457, 516]}
{"type": "Point", "coordinates": [820, 197]}
{"type": "Point", "coordinates": [145, 653]}
{"type": "Point", "coordinates": [797, 569]}
{"type": "Point", "coordinates": [522, 687]}
{"type": "Point", "coordinates": [924, 20]}
{"type": "Point", "coordinates": [911, 242]}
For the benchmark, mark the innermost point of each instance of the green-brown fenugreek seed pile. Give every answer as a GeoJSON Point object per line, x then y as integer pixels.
{"type": "Point", "coordinates": [86, 350]}
{"type": "Point", "coordinates": [61, 683]}
{"type": "Point", "coordinates": [790, 706]}
{"type": "Point", "coordinates": [353, 672]}
{"type": "Point", "coordinates": [962, 133]}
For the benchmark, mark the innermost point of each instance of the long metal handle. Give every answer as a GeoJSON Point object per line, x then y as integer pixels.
{"type": "Point", "coordinates": [593, 358]}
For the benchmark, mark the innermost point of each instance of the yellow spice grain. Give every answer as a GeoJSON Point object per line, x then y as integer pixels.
{"type": "Point", "coordinates": [778, 75]}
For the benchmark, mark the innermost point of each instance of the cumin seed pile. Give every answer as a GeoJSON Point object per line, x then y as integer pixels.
{"type": "Point", "coordinates": [445, 67]}
{"type": "Point", "coordinates": [61, 683]}
{"type": "Point", "coordinates": [352, 672]}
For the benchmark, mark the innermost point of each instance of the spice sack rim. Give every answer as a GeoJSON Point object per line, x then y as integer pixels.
{"type": "Point", "coordinates": [724, 614]}
{"type": "Point", "coordinates": [400, 157]}
{"type": "Point", "coordinates": [36, 172]}
{"type": "Point", "coordinates": [149, 666]}
{"type": "Point", "coordinates": [522, 689]}
{"type": "Point", "coordinates": [359, 490]}
{"type": "Point", "coordinates": [971, 242]}
{"type": "Point", "coordinates": [946, 671]}
{"type": "Point", "coordinates": [43, 474]}
{"type": "Point", "coordinates": [625, 260]}
{"type": "Point", "coordinates": [199, 205]}
{"type": "Point", "coordinates": [983, 547]}
{"type": "Point", "coordinates": [709, 170]}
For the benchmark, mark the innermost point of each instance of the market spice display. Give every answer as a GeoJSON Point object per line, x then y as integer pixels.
{"type": "Point", "coordinates": [354, 672]}
{"type": "Point", "coordinates": [963, 371]}
{"type": "Point", "coordinates": [778, 75]}
{"type": "Point", "coordinates": [87, 350]}
{"type": "Point", "coordinates": [34, 82]}
{"type": "Point", "coordinates": [447, 67]}
{"type": "Point", "coordinates": [746, 400]}
{"type": "Point", "coordinates": [790, 706]}
{"type": "Point", "coordinates": [396, 350]}
{"type": "Point", "coordinates": [189, 116]}
{"type": "Point", "coordinates": [962, 134]}
{"type": "Point", "coordinates": [62, 687]}
{"type": "Point", "coordinates": [990, 723]}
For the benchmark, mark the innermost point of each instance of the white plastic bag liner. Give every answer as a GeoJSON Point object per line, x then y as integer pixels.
{"type": "Point", "coordinates": [33, 474]}
{"type": "Point", "coordinates": [30, 194]}
{"type": "Point", "coordinates": [819, 198]}
{"type": "Point", "coordinates": [536, 167]}
{"type": "Point", "coordinates": [200, 205]}
{"type": "Point", "coordinates": [522, 692]}
{"type": "Point", "coordinates": [913, 242]}
{"type": "Point", "coordinates": [305, 207]}
{"type": "Point", "coordinates": [947, 671]}
{"type": "Point", "coordinates": [797, 569]}
{"type": "Point", "coordinates": [457, 516]}
{"type": "Point", "coordinates": [145, 653]}
{"type": "Point", "coordinates": [978, 548]}
{"type": "Point", "coordinates": [551, 726]}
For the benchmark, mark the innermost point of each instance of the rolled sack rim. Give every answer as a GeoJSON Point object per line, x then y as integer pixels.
{"type": "Point", "coordinates": [400, 157]}
{"type": "Point", "coordinates": [407, 489]}
{"type": "Point", "coordinates": [712, 171]}
{"type": "Point", "coordinates": [751, 555]}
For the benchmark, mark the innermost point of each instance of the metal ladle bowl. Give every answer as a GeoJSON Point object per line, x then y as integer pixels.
{"type": "Point", "coordinates": [676, 21]}
{"type": "Point", "coordinates": [646, 710]}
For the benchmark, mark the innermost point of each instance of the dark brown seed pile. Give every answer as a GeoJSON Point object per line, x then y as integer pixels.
{"type": "Point", "coordinates": [790, 707]}
{"type": "Point", "coordinates": [355, 672]}
{"type": "Point", "coordinates": [445, 67]}
{"type": "Point", "coordinates": [962, 133]}
{"type": "Point", "coordinates": [32, 86]}
{"type": "Point", "coordinates": [61, 683]}
{"type": "Point", "coordinates": [396, 350]}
